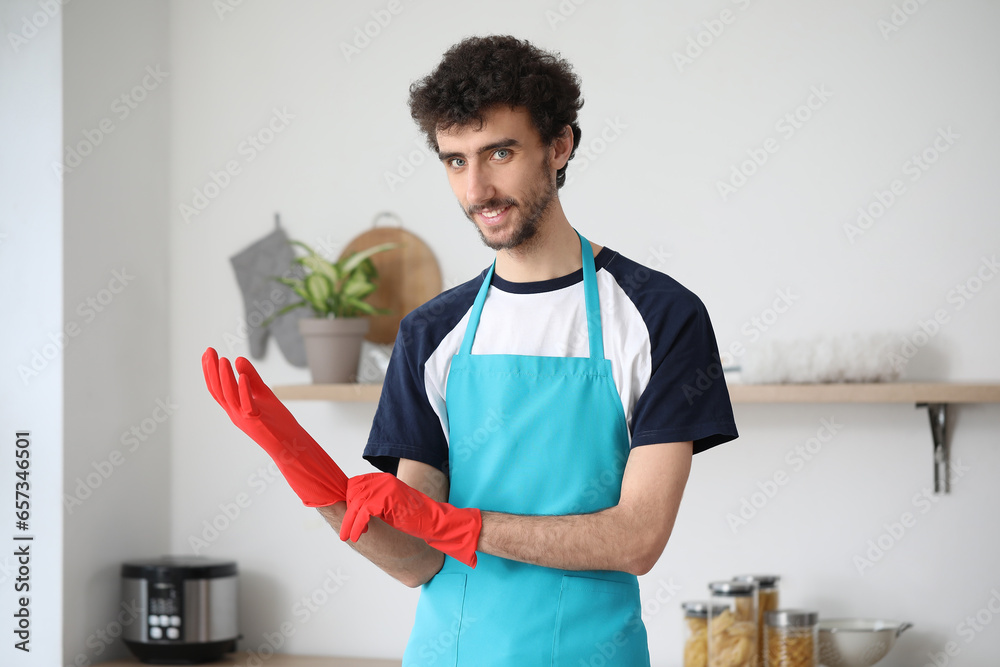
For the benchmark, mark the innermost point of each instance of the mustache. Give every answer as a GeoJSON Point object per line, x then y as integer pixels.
{"type": "Point", "coordinates": [491, 205]}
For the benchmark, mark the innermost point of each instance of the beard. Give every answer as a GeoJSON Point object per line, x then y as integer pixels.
{"type": "Point", "coordinates": [529, 212]}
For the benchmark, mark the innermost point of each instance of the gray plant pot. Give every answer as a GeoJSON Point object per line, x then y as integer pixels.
{"type": "Point", "coordinates": [333, 347]}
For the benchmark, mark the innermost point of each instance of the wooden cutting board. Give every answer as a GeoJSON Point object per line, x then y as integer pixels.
{"type": "Point", "coordinates": [407, 277]}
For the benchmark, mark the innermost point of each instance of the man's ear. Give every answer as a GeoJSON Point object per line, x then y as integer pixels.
{"type": "Point", "coordinates": [561, 147]}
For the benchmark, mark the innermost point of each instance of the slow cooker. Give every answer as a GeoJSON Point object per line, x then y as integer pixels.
{"type": "Point", "coordinates": [187, 609]}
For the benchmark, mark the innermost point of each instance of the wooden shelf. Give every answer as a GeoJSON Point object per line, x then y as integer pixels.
{"type": "Point", "coordinates": [350, 393]}
{"type": "Point", "coordinates": [276, 660]}
{"type": "Point", "coordinates": [885, 392]}
{"type": "Point", "coordinates": [935, 396]}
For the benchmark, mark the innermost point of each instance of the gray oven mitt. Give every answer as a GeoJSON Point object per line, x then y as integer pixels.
{"type": "Point", "coordinates": [256, 267]}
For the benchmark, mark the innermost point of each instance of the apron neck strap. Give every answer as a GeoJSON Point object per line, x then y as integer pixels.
{"type": "Point", "coordinates": [477, 311]}
{"type": "Point", "coordinates": [594, 332]}
{"type": "Point", "coordinates": [593, 302]}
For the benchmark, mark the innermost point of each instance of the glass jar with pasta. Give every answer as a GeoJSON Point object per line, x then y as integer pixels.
{"type": "Point", "coordinates": [732, 633]}
{"type": "Point", "coordinates": [767, 600]}
{"type": "Point", "coordinates": [696, 631]}
{"type": "Point", "coordinates": [791, 638]}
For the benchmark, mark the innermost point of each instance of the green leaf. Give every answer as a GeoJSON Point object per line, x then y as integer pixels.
{"type": "Point", "coordinates": [300, 244]}
{"type": "Point", "coordinates": [298, 286]}
{"type": "Point", "coordinates": [367, 267]}
{"type": "Point", "coordinates": [357, 258]}
{"type": "Point", "coordinates": [363, 306]}
{"type": "Point", "coordinates": [290, 282]}
{"type": "Point", "coordinates": [289, 307]}
{"type": "Point", "coordinates": [319, 289]}
{"type": "Point", "coordinates": [336, 305]}
{"type": "Point", "coordinates": [357, 286]}
{"type": "Point", "coordinates": [360, 291]}
{"type": "Point", "coordinates": [317, 264]}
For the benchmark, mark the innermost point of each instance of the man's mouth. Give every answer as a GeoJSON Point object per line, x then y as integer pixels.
{"type": "Point", "coordinates": [492, 216]}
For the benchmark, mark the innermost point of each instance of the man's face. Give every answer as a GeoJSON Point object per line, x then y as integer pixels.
{"type": "Point", "coordinates": [501, 174]}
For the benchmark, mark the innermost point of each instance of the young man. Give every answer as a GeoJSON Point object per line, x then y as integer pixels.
{"type": "Point", "coordinates": [536, 424]}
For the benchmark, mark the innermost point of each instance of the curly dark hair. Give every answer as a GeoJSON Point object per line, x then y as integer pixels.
{"type": "Point", "coordinates": [481, 73]}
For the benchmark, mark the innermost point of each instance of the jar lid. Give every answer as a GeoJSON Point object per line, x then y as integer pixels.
{"type": "Point", "coordinates": [791, 618]}
{"type": "Point", "coordinates": [700, 608]}
{"type": "Point", "coordinates": [762, 580]}
{"type": "Point", "coordinates": [733, 588]}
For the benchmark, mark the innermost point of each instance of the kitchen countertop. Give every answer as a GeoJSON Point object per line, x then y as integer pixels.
{"type": "Point", "coordinates": [278, 660]}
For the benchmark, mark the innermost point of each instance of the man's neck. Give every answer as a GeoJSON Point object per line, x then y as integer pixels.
{"type": "Point", "coordinates": [553, 252]}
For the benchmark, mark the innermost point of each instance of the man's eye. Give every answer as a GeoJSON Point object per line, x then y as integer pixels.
{"type": "Point", "coordinates": [502, 154]}
{"type": "Point", "coordinates": [456, 163]}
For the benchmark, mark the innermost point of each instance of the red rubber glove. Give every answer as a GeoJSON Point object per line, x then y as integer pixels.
{"type": "Point", "coordinates": [449, 529]}
{"type": "Point", "coordinates": [254, 408]}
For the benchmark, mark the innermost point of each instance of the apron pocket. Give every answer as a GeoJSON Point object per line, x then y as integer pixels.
{"type": "Point", "coordinates": [599, 622]}
{"type": "Point", "coordinates": [436, 630]}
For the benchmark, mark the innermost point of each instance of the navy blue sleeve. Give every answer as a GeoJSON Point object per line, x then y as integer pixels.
{"type": "Point", "coordinates": [405, 424]}
{"type": "Point", "coordinates": [686, 398]}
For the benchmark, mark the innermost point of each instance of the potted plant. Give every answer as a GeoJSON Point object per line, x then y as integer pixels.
{"type": "Point", "coordinates": [336, 292]}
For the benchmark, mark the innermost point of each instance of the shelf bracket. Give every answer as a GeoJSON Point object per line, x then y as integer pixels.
{"type": "Point", "coordinates": [938, 414]}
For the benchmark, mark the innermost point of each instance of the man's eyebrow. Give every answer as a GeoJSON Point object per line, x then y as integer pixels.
{"type": "Point", "coordinates": [502, 143]}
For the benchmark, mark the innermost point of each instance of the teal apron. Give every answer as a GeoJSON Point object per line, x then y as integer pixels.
{"type": "Point", "coordinates": [542, 436]}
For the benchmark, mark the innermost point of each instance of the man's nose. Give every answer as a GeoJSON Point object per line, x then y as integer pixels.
{"type": "Point", "coordinates": [479, 187]}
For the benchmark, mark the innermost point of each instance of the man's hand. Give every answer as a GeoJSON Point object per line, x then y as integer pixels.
{"type": "Point", "coordinates": [449, 529]}
{"type": "Point", "coordinates": [254, 408]}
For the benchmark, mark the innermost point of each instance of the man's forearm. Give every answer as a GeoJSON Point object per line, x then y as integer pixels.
{"type": "Point", "coordinates": [605, 540]}
{"type": "Point", "coordinates": [628, 537]}
{"type": "Point", "coordinates": [403, 557]}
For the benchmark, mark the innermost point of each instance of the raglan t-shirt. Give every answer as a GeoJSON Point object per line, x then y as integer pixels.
{"type": "Point", "coordinates": [657, 334]}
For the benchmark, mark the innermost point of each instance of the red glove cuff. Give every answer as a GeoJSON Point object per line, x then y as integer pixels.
{"type": "Point", "coordinates": [449, 529]}
{"type": "Point", "coordinates": [462, 537]}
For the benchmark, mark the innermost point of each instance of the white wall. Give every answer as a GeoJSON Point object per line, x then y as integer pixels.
{"type": "Point", "coordinates": [32, 328]}
{"type": "Point", "coordinates": [85, 138]}
{"type": "Point", "coordinates": [651, 194]}
{"type": "Point", "coordinates": [117, 462]}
